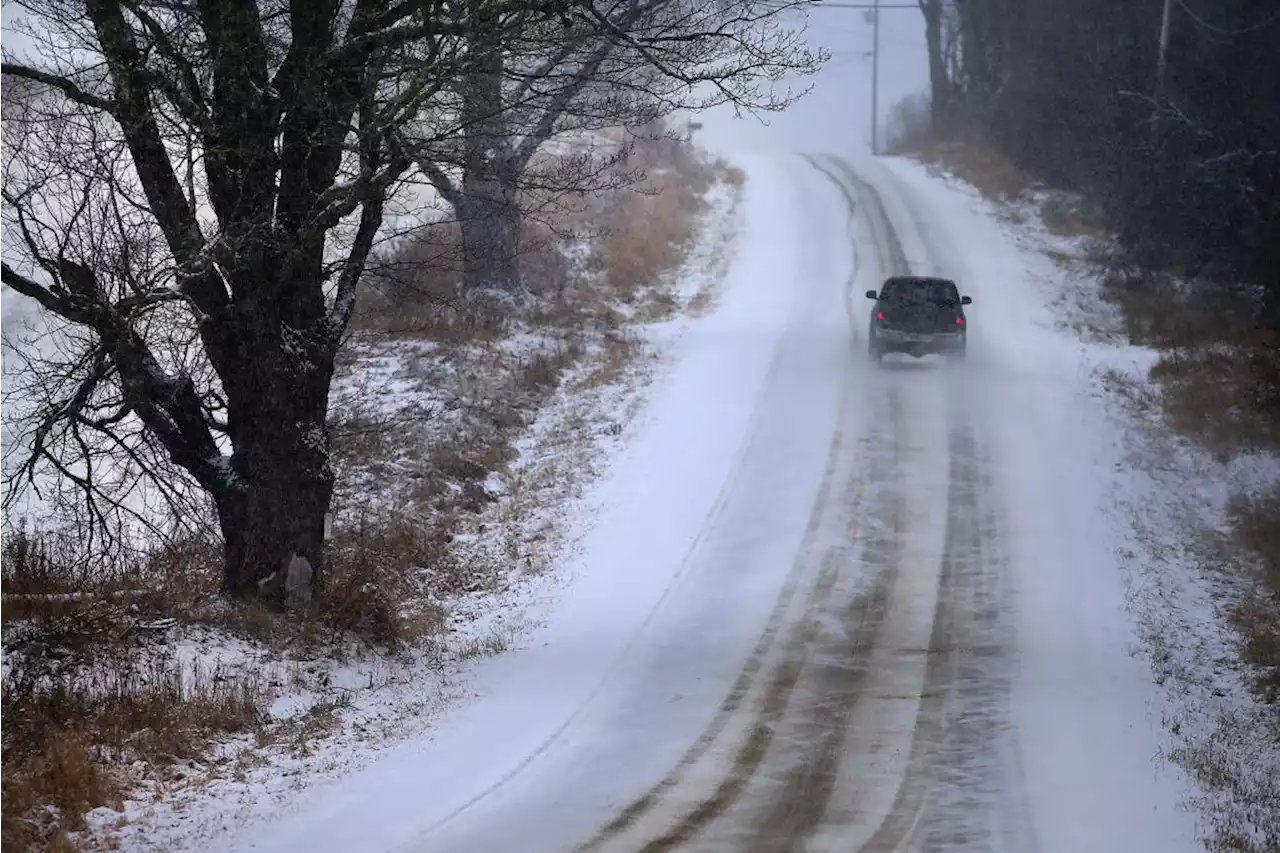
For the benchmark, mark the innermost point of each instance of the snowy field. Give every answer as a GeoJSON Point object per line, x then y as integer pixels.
{"type": "Point", "coordinates": [780, 513]}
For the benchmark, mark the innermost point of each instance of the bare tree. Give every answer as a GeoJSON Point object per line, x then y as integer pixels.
{"type": "Point", "coordinates": [604, 64]}
{"type": "Point", "coordinates": [196, 193]}
{"type": "Point", "coordinates": [939, 42]}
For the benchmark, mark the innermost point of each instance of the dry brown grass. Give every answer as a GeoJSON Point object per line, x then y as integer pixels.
{"type": "Point", "coordinates": [68, 734]}
{"type": "Point", "coordinates": [733, 176]}
{"type": "Point", "coordinates": [982, 166]}
{"type": "Point", "coordinates": [1159, 312]}
{"type": "Point", "coordinates": [49, 577]}
{"type": "Point", "coordinates": [701, 304]}
{"type": "Point", "coordinates": [90, 686]}
{"type": "Point", "coordinates": [909, 132]}
{"type": "Point", "coordinates": [619, 351]}
{"type": "Point", "coordinates": [1255, 521]}
{"type": "Point", "coordinates": [1219, 374]}
{"type": "Point", "coordinates": [367, 594]}
{"type": "Point", "coordinates": [1219, 384]}
{"type": "Point", "coordinates": [1211, 394]}
{"type": "Point", "coordinates": [1071, 216]}
{"type": "Point", "coordinates": [986, 168]}
{"type": "Point", "coordinates": [909, 129]}
{"type": "Point", "coordinates": [359, 598]}
{"type": "Point", "coordinates": [647, 238]}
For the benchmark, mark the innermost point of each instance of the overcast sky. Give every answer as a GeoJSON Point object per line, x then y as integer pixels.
{"type": "Point", "coordinates": [836, 116]}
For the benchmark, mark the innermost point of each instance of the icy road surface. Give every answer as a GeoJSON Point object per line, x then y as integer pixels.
{"type": "Point", "coordinates": [824, 607]}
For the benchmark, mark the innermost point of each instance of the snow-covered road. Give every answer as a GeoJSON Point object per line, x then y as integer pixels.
{"type": "Point", "coordinates": [822, 606]}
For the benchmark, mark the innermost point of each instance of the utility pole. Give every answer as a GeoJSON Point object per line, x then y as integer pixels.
{"type": "Point", "coordinates": [1162, 57]}
{"type": "Point", "coordinates": [875, 76]}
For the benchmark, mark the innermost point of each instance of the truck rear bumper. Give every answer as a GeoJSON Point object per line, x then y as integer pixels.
{"type": "Point", "coordinates": [916, 344]}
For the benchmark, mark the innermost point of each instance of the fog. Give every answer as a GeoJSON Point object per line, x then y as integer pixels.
{"type": "Point", "coordinates": [835, 116]}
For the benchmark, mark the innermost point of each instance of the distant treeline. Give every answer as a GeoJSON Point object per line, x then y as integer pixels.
{"type": "Point", "coordinates": [1185, 162]}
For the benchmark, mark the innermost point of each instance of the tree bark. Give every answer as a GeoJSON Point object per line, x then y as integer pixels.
{"type": "Point", "coordinates": [939, 82]}
{"type": "Point", "coordinates": [282, 512]}
{"type": "Point", "coordinates": [487, 199]}
{"type": "Point", "coordinates": [281, 481]}
{"type": "Point", "coordinates": [489, 218]}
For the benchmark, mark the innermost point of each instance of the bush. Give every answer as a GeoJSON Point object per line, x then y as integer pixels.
{"type": "Point", "coordinates": [909, 128]}
{"type": "Point", "coordinates": [70, 730]}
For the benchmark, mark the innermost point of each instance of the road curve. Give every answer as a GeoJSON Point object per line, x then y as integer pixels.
{"type": "Point", "coordinates": [871, 712]}
{"type": "Point", "coordinates": [834, 665]}
{"type": "Point", "coordinates": [874, 726]}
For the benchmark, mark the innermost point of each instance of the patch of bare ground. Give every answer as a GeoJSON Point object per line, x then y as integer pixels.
{"type": "Point", "coordinates": [459, 437]}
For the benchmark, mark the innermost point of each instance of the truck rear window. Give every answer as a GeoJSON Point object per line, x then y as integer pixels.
{"type": "Point", "coordinates": [919, 290]}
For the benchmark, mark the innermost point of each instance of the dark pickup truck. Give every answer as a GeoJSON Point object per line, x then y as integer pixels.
{"type": "Point", "coordinates": [918, 316]}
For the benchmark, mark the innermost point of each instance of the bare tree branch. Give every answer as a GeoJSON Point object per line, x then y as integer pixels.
{"type": "Point", "coordinates": [62, 84]}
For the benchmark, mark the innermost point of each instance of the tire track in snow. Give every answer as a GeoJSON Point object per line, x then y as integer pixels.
{"type": "Point", "coordinates": [850, 284]}
{"type": "Point", "coordinates": [758, 700]}
{"type": "Point", "coordinates": [938, 693]}
{"type": "Point", "coordinates": [840, 662]}
{"type": "Point", "coordinates": [771, 695]}
{"type": "Point", "coordinates": [797, 736]}
{"type": "Point", "coordinates": [954, 796]}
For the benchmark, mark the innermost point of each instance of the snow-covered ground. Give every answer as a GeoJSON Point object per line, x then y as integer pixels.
{"type": "Point", "coordinates": [1168, 497]}
{"type": "Point", "coordinates": [893, 602]}
{"type": "Point", "coordinates": [754, 595]}
{"type": "Point", "coordinates": [337, 713]}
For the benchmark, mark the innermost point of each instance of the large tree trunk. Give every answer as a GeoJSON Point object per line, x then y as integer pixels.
{"type": "Point", "coordinates": [281, 480]}
{"type": "Point", "coordinates": [939, 82]}
{"type": "Point", "coordinates": [490, 221]}
{"type": "Point", "coordinates": [975, 70]}
{"type": "Point", "coordinates": [281, 514]}
{"type": "Point", "coordinates": [486, 200]}
{"type": "Point", "coordinates": [277, 511]}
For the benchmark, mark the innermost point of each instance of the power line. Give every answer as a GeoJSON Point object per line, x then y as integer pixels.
{"type": "Point", "coordinates": [874, 17]}
{"type": "Point", "coordinates": [1213, 28]}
